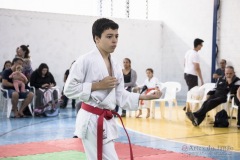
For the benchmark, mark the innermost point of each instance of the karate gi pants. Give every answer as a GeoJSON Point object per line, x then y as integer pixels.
{"type": "Point", "coordinates": [90, 147]}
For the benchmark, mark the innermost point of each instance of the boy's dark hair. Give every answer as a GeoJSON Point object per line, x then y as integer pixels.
{"type": "Point", "coordinates": [197, 42]}
{"type": "Point", "coordinates": [102, 24]}
{"type": "Point", "coordinates": [149, 69]}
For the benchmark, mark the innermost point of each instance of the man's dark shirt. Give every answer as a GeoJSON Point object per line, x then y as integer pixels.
{"type": "Point", "coordinates": [223, 88]}
{"type": "Point", "coordinates": [5, 75]}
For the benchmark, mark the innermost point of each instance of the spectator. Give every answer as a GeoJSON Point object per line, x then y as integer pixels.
{"type": "Point", "coordinates": [228, 84]}
{"type": "Point", "coordinates": [151, 83]}
{"type": "Point", "coordinates": [220, 72]}
{"type": "Point", "coordinates": [192, 68]}
{"type": "Point", "coordinates": [7, 83]}
{"type": "Point", "coordinates": [6, 65]}
{"type": "Point", "coordinates": [23, 52]}
{"type": "Point", "coordinates": [43, 80]}
{"type": "Point", "coordinates": [130, 78]}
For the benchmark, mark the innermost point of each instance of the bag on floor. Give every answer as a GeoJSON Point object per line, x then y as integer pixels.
{"type": "Point", "coordinates": [221, 119]}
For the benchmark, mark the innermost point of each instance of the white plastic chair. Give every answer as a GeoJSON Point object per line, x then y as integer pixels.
{"type": "Point", "coordinates": [160, 86]}
{"type": "Point", "coordinates": [193, 101]}
{"type": "Point", "coordinates": [171, 89]}
{"type": "Point", "coordinates": [7, 103]}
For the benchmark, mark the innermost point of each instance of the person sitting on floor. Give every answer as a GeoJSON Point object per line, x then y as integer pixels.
{"type": "Point", "coordinates": [228, 84]}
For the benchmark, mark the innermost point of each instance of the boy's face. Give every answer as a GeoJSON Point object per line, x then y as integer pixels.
{"type": "Point", "coordinates": [108, 41]}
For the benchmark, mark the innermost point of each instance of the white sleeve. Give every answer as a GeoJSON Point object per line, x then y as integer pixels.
{"type": "Point", "coordinates": [75, 87]}
{"type": "Point", "coordinates": [195, 58]}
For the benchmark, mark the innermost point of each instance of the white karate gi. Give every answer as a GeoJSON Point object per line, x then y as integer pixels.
{"type": "Point", "coordinates": [88, 69]}
{"type": "Point", "coordinates": [152, 83]}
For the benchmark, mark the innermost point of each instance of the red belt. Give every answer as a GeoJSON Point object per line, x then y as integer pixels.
{"type": "Point", "coordinates": [107, 114]}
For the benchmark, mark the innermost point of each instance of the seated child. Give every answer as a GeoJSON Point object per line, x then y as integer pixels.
{"type": "Point", "coordinates": [18, 79]}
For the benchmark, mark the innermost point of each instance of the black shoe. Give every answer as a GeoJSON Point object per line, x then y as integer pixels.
{"type": "Point", "coordinates": [75, 136]}
{"type": "Point", "coordinates": [184, 108]}
{"type": "Point", "coordinates": [192, 118]}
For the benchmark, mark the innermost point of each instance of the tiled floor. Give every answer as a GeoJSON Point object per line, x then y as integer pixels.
{"type": "Point", "coordinates": [36, 129]}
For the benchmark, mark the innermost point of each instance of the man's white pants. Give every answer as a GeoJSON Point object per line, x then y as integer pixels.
{"type": "Point", "coordinates": [90, 147]}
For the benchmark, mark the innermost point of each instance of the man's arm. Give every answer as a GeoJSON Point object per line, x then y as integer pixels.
{"type": "Point", "coordinates": [198, 70]}
{"type": "Point", "coordinates": [217, 74]}
{"type": "Point", "coordinates": [5, 83]}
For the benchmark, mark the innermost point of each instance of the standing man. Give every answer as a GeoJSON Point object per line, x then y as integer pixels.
{"type": "Point", "coordinates": [97, 80]}
{"type": "Point", "coordinates": [220, 72]}
{"type": "Point", "coordinates": [7, 83]}
{"type": "Point", "coordinates": [192, 68]}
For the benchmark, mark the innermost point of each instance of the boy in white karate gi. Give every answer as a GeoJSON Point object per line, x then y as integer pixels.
{"type": "Point", "coordinates": [97, 80]}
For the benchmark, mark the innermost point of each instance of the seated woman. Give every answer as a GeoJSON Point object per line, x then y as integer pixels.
{"type": "Point", "coordinates": [43, 80]}
{"type": "Point", "coordinates": [151, 83]}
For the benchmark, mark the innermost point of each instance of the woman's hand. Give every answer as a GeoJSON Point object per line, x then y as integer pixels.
{"type": "Point", "coordinates": [51, 85]}
{"type": "Point", "coordinates": [45, 85]}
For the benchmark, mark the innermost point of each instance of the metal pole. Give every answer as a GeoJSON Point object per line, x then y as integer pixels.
{"type": "Point", "coordinates": [214, 37]}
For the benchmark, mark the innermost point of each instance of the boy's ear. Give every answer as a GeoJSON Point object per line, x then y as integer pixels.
{"type": "Point", "coordinates": [97, 39]}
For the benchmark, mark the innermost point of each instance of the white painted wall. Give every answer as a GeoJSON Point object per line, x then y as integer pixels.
{"type": "Point", "coordinates": [58, 39]}
{"type": "Point", "coordinates": [184, 21]}
{"type": "Point", "coordinates": [229, 33]}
